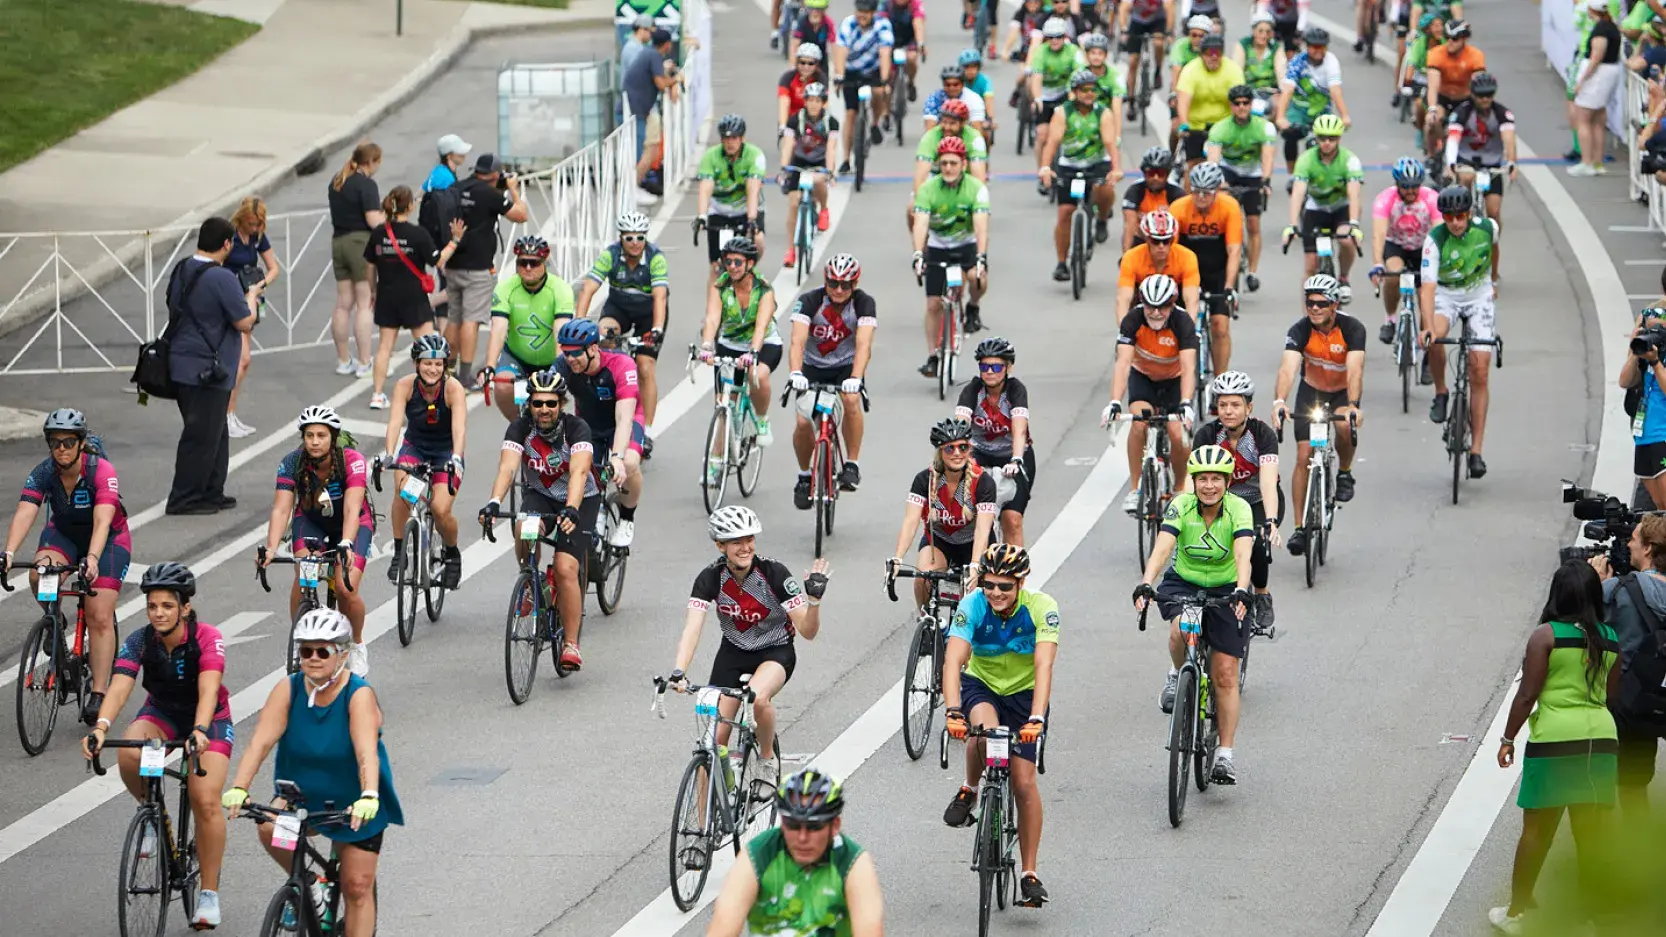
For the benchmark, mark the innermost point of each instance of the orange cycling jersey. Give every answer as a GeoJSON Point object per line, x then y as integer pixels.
{"type": "Point", "coordinates": [1456, 69]}
{"type": "Point", "coordinates": [1157, 351]}
{"type": "Point", "coordinates": [1137, 265]}
{"type": "Point", "coordinates": [1325, 353]}
{"type": "Point", "coordinates": [1222, 225]}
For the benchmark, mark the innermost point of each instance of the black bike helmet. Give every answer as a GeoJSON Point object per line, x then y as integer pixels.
{"type": "Point", "coordinates": [731, 125]}
{"type": "Point", "coordinates": [952, 72]}
{"type": "Point", "coordinates": [950, 430]}
{"type": "Point", "coordinates": [1483, 84]}
{"type": "Point", "coordinates": [1006, 559]}
{"type": "Point", "coordinates": [810, 797]}
{"type": "Point", "coordinates": [1212, 41]}
{"type": "Point", "coordinates": [1157, 158]}
{"type": "Point", "coordinates": [169, 575]}
{"type": "Point", "coordinates": [1315, 36]}
{"type": "Point", "coordinates": [745, 247]}
{"type": "Point", "coordinates": [1240, 93]}
{"type": "Point", "coordinates": [1454, 200]}
{"type": "Point", "coordinates": [996, 347]}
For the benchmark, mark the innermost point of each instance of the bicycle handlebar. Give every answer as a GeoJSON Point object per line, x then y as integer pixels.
{"type": "Point", "coordinates": [1495, 342]}
{"type": "Point", "coordinates": [1353, 424]}
{"type": "Point", "coordinates": [1199, 600]}
{"type": "Point", "coordinates": [893, 573]}
{"type": "Point", "coordinates": [829, 388]}
{"type": "Point", "coordinates": [82, 585]}
{"type": "Point", "coordinates": [422, 470]}
{"type": "Point", "coordinates": [330, 557]}
{"type": "Point", "coordinates": [662, 684]}
{"type": "Point", "coordinates": [191, 752]}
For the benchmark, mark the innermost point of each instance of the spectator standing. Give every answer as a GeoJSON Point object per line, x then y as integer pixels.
{"type": "Point", "coordinates": [1570, 670]}
{"type": "Point", "coordinates": [355, 210]}
{"type": "Point", "coordinates": [482, 199]}
{"type": "Point", "coordinates": [400, 253]}
{"type": "Point", "coordinates": [650, 73]}
{"type": "Point", "coordinates": [454, 152]}
{"type": "Point", "coordinates": [256, 266]}
{"type": "Point", "coordinates": [1636, 726]}
{"type": "Point", "coordinates": [639, 41]}
{"type": "Point", "coordinates": [202, 360]}
{"type": "Point", "coordinates": [1594, 88]}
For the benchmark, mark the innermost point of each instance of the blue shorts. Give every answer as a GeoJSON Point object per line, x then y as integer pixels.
{"type": "Point", "coordinates": [508, 363]}
{"type": "Point", "coordinates": [301, 528]}
{"type": "Point", "coordinates": [221, 734]}
{"type": "Point", "coordinates": [411, 454]}
{"type": "Point", "coordinates": [1011, 711]}
{"type": "Point", "coordinates": [112, 564]}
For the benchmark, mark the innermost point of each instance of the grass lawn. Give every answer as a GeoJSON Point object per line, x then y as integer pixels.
{"type": "Point", "coordinates": [67, 64]}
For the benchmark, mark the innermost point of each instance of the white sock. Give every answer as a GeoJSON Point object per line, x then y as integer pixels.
{"type": "Point", "coordinates": [1223, 752]}
{"type": "Point", "coordinates": [1174, 671]}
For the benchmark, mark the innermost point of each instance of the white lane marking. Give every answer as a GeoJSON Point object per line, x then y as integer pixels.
{"type": "Point", "coordinates": [1643, 297]}
{"type": "Point", "coordinates": [1419, 899]}
{"type": "Point", "coordinates": [1619, 228]}
{"type": "Point", "coordinates": [857, 743]}
{"type": "Point", "coordinates": [245, 639]}
{"type": "Point", "coordinates": [1646, 262]}
{"type": "Point", "coordinates": [241, 622]}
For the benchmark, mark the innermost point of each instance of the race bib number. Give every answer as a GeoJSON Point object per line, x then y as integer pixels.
{"type": "Point", "coordinates": [47, 588]}
{"type": "Point", "coordinates": [413, 489]}
{"type": "Point", "coordinates": [520, 393]}
{"type": "Point", "coordinates": [1483, 181]}
{"type": "Point", "coordinates": [151, 758]}
{"type": "Point", "coordinates": [527, 526]}
{"type": "Point", "coordinates": [953, 276]}
{"type": "Point", "coordinates": [286, 832]}
{"type": "Point", "coordinates": [1323, 246]}
{"type": "Point", "coordinates": [899, 56]}
{"type": "Point", "coordinates": [1318, 434]}
{"type": "Point", "coordinates": [1078, 186]}
{"type": "Point", "coordinates": [996, 750]}
{"type": "Point", "coordinates": [864, 93]}
{"type": "Point", "coordinates": [1191, 619]}
{"type": "Point", "coordinates": [308, 573]}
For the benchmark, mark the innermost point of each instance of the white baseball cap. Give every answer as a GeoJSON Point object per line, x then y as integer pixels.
{"type": "Point", "coordinates": [451, 143]}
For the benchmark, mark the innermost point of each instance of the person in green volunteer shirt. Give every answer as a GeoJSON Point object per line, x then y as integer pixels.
{"type": "Point", "coordinates": [1210, 532]}
{"type": "Point", "coordinates": [1260, 55]}
{"type": "Point", "coordinates": [740, 323]}
{"type": "Point", "coordinates": [951, 122]}
{"type": "Point", "coordinates": [1457, 284]}
{"type": "Point", "coordinates": [638, 277]}
{"type": "Point", "coordinates": [1180, 55]}
{"type": "Point", "coordinates": [1083, 138]}
{"type": "Point", "coordinates": [1244, 145]}
{"type": "Point", "coordinates": [526, 310]}
{"type": "Point", "coordinates": [731, 197]}
{"type": "Point", "coordinates": [1051, 63]}
{"type": "Point", "coordinates": [1325, 197]}
{"type": "Point", "coordinates": [1096, 52]}
{"type": "Point", "coordinates": [951, 226]}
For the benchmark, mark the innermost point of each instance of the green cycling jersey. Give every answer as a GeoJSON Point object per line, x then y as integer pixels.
{"type": "Point", "coordinates": [1111, 84]}
{"type": "Point", "coordinates": [631, 287]}
{"type": "Point", "coordinates": [1203, 550]}
{"type": "Point", "coordinates": [532, 317]}
{"type": "Point", "coordinates": [1460, 262]}
{"type": "Point", "coordinates": [951, 209]}
{"type": "Point", "coordinates": [1260, 72]}
{"type": "Point", "coordinates": [794, 901]}
{"type": "Point", "coordinates": [1241, 144]}
{"type": "Point", "coordinates": [729, 176]}
{"type": "Point", "coordinates": [1083, 144]}
{"type": "Point", "coordinates": [1327, 180]}
{"type": "Point", "coordinates": [1181, 53]}
{"type": "Point", "coordinates": [926, 152]}
{"type": "Point", "coordinates": [1055, 69]}
{"type": "Point", "coordinates": [738, 323]}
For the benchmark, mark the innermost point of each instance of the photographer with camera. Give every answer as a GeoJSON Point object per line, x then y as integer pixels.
{"type": "Point", "coordinates": [1636, 610]}
{"type": "Point", "coordinates": [1642, 376]}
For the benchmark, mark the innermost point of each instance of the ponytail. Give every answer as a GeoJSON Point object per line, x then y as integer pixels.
{"type": "Point", "coordinates": [398, 202]}
{"type": "Point", "coordinates": [363, 155]}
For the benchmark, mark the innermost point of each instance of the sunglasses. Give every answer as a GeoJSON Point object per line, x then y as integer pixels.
{"type": "Point", "coordinates": [574, 352]}
{"type": "Point", "coordinates": [544, 404]}
{"type": "Point", "coordinates": [841, 284]}
{"type": "Point", "coordinates": [527, 263]}
{"type": "Point", "coordinates": [1320, 303]}
{"type": "Point", "coordinates": [633, 238]}
{"type": "Point", "coordinates": [1241, 101]}
{"type": "Point", "coordinates": [322, 653]}
{"type": "Point", "coordinates": [794, 826]}
{"type": "Point", "coordinates": [1156, 173]}
{"type": "Point", "coordinates": [995, 368]}
{"type": "Point", "coordinates": [63, 442]}
{"type": "Point", "coordinates": [997, 586]}
{"type": "Point", "coordinates": [955, 448]}
{"type": "Point", "coordinates": [1454, 216]}
{"type": "Point", "coordinates": [1159, 242]}
{"type": "Point", "coordinates": [734, 261]}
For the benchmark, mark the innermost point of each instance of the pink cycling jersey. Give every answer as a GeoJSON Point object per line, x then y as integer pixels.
{"type": "Point", "coordinates": [1407, 224]}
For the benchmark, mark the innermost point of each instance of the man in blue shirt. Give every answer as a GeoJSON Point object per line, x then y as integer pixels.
{"type": "Point", "coordinates": [638, 41]}
{"type": "Point", "coordinates": [650, 73]}
{"type": "Point", "coordinates": [454, 153]}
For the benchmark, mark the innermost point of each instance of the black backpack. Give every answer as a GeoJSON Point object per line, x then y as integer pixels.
{"type": "Point", "coordinates": [1642, 696]}
{"type": "Point", "coordinates": [436, 211]}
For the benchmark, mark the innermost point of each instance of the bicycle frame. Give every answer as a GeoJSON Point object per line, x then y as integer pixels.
{"type": "Point", "coordinates": [65, 665]}
{"type": "Point", "coordinates": [1155, 485]}
{"type": "Point", "coordinates": [1192, 736]}
{"type": "Point", "coordinates": [307, 865]}
{"type": "Point", "coordinates": [859, 134]}
{"type": "Point", "coordinates": [899, 91]}
{"type": "Point", "coordinates": [1458, 429]}
{"type": "Point", "coordinates": [949, 337]}
{"type": "Point", "coordinates": [1081, 185]}
{"type": "Point", "coordinates": [827, 454]}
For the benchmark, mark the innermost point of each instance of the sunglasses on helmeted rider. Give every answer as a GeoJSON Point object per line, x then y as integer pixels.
{"type": "Point", "coordinates": [795, 826]}
{"type": "Point", "coordinates": [322, 653]}
{"type": "Point", "coordinates": [632, 238]}
{"type": "Point", "coordinates": [544, 404]}
{"type": "Point", "coordinates": [527, 263]}
{"type": "Point", "coordinates": [992, 367]}
{"type": "Point", "coordinates": [63, 442]}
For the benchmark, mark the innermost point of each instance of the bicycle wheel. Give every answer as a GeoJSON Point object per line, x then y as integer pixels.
{"type": "Point", "coordinates": [1458, 438]}
{"type": "Point", "coordinates": [980, 29]}
{"type": "Point", "coordinates": [945, 348]}
{"type": "Point", "coordinates": [610, 588]}
{"type": "Point", "coordinates": [989, 856]}
{"type": "Point", "coordinates": [291, 653]}
{"type": "Point", "coordinates": [39, 687]}
{"type": "Point", "coordinates": [1205, 739]}
{"type": "Point", "coordinates": [820, 472]}
{"type": "Point", "coordinates": [288, 899]}
{"type": "Point", "coordinates": [189, 880]}
{"type": "Point", "coordinates": [1151, 512]}
{"type": "Point", "coordinates": [749, 455]}
{"type": "Point", "coordinates": [717, 439]}
{"type": "Point", "coordinates": [555, 637]}
{"type": "Point", "coordinates": [433, 596]}
{"type": "Point", "coordinates": [1182, 724]}
{"type": "Point", "coordinates": [521, 635]}
{"type": "Point", "coordinates": [919, 689]}
{"type": "Point", "coordinates": [1329, 517]}
{"type": "Point", "coordinates": [1080, 237]}
{"type": "Point", "coordinates": [142, 889]}
{"type": "Point", "coordinates": [691, 838]}
{"type": "Point", "coordinates": [408, 582]}
{"type": "Point", "coordinates": [1408, 367]}
{"type": "Point", "coordinates": [1314, 524]}
{"type": "Point", "coordinates": [861, 137]}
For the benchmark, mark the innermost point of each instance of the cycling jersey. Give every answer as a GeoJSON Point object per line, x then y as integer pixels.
{"type": "Point", "coordinates": [865, 45]}
{"type": "Point", "coordinates": [1325, 353]}
{"type": "Point", "coordinates": [1182, 54]}
{"type": "Point", "coordinates": [1285, 11]}
{"type": "Point", "coordinates": [820, 36]}
{"type": "Point", "coordinates": [737, 323]}
{"type": "Point", "coordinates": [1455, 70]}
{"type": "Point", "coordinates": [1312, 84]}
{"type": "Point", "coordinates": [170, 678]}
{"type": "Point", "coordinates": [795, 901]}
{"type": "Point", "coordinates": [936, 100]}
{"type": "Point", "coordinates": [1407, 225]}
{"type": "Point", "coordinates": [980, 85]}
{"type": "Point", "coordinates": [1110, 84]}
{"type": "Point", "coordinates": [952, 510]}
{"type": "Point", "coordinates": [901, 17]}
{"type": "Point", "coordinates": [810, 136]}
{"type": "Point", "coordinates": [631, 288]}
{"type": "Point", "coordinates": [1327, 181]}
{"type": "Point", "coordinates": [1241, 144]}
{"type": "Point", "coordinates": [1208, 90]}
{"type": "Point", "coordinates": [1082, 144]}
{"type": "Point", "coordinates": [71, 512]}
{"type": "Point", "coordinates": [1213, 234]}
{"type": "Point", "coordinates": [1257, 446]}
{"type": "Point", "coordinates": [951, 209]}
{"type": "Point", "coordinates": [1003, 649]}
{"type": "Point", "coordinates": [428, 421]}
{"type": "Point", "coordinates": [1137, 265]}
{"type": "Point", "coordinates": [831, 342]}
{"type": "Point", "coordinates": [1260, 72]}
{"type": "Point", "coordinates": [1417, 56]}
{"type": "Point", "coordinates": [546, 462]}
{"type": "Point", "coordinates": [1055, 69]}
{"type": "Point", "coordinates": [1481, 133]}
{"type": "Point", "coordinates": [792, 85]}
{"type": "Point", "coordinates": [991, 417]}
{"type": "Point", "coordinates": [729, 177]}
{"type": "Point", "coordinates": [1157, 351]}
{"type": "Point", "coordinates": [594, 395]}
{"type": "Point", "coordinates": [1460, 264]}
{"type": "Point", "coordinates": [752, 610]}
{"type": "Point", "coordinates": [927, 150]}
{"type": "Point", "coordinates": [532, 317]}
{"type": "Point", "coordinates": [1203, 554]}
{"type": "Point", "coordinates": [323, 510]}
{"type": "Point", "coordinates": [1145, 11]}
{"type": "Point", "coordinates": [1145, 200]}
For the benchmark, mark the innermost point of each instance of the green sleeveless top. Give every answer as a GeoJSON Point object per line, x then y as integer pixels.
{"type": "Point", "coordinates": [738, 322]}
{"type": "Point", "coordinates": [1568, 709]}
{"type": "Point", "coordinates": [1263, 72]}
{"type": "Point", "coordinates": [794, 901]}
{"type": "Point", "coordinates": [1082, 144]}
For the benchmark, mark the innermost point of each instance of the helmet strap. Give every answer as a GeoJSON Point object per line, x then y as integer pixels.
{"type": "Point", "coordinates": [313, 689]}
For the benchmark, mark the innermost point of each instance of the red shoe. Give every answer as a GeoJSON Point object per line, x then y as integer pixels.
{"type": "Point", "coordinates": [791, 258]}
{"type": "Point", "coordinates": [821, 221]}
{"type": "Point", "coordinates": [993, 54]}
{"type": "Point", "coordinates": [570, 658]}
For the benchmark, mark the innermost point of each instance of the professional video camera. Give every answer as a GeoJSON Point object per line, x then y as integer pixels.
{"type": "Point", "coordinates": [1608, 523]}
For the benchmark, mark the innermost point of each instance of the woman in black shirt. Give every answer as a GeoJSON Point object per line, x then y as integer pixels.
{"type": "Point", "coordinates": [399, 254]}
{"type": "Point", "coordinates": [1594, 89]}
{"type": "Point", "coordinates": [355, 210]}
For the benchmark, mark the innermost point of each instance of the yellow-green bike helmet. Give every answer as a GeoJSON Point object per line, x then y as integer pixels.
{"type": "Point", "coordinates": [1210, 459]}
{"type": "Point", "coordinates": [1327, 125]}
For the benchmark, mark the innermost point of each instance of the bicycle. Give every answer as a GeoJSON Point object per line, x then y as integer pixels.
{"type": "Point", "coordinates": [309, 900]}
{"type": "Point", "coordinates": [859, 135]}
{"type": "Point", "coordinates": [980, 28]}
{"type": "Point", "coordinates": [1147, 80]}
{"type": "Point", "coordinates": [804, 228]}
{"type": "Point", "coordinates": [313, 569]}
{"type": "Point", "coordinates": [1081, 185]}
{"type": "Point", "coordinates": [704, 817]}
{"type": "Point", "coordinates": [734, 421]}
{"type": "Point", "coordinates": [827, 455]}
{"type": "Point", "coordinates": [534, 618]}
{"type": "Point", "coordinates": [997, 817]}
{"type": "Point", "coordinates": [171, 868]}
{"type": "Point", "coordinates": [1407, 357]}
{"type": "Point", "coordinates": [422, 566]}
{"type": "Point", "coordinates": [1480, 182]}
{"type": "Point", "coordinates": [1319, 514]}
{"type": "Point", "coordinates": [949, 336]}
{"type": "Point", "coordinates": [899, 91]}
{"type": "Point", "coordinates": [1457, 433]}
{"type": "Point", "coordinates": [922, 693]}
{"type": "Point", "coordinates": [50, 674]}
{"type": "Point", "coordinates": [1025, 134]}
{"type": "Point", "coordinates": [1156, 485]}
{"type": "Point", "coordinates": [607, 563]}
{"type": "Point", "coordinates": [1193, 732]}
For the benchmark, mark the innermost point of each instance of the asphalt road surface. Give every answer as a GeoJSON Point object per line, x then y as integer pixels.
{"type": "Point", "coordinates": [551, 818]}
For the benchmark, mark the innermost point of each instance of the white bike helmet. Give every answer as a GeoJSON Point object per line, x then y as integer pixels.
{"type": "Point", "coordinates": [1158, 290]}
{"type": "Point", "coordinates": [1320, 283]}
{"type": "Point", "coordinates": [1199, 21]}
{"type": "Point", "coordinates": [320, 414]}
{"type": "Point", "coordinates": [1054, 28]}
{"type": "Point", "coordinates": [733, 522]}
{"type": "Point", "coordinates": [324, 624]}
{"type": "Point", "coordinates": [1232, 382]}
{"type": "Point", "coordinates": [1259, 17]}
{"type": "Point", "coordinates": [633, 222]}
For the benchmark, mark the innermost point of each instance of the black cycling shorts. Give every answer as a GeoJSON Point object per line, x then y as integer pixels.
{"type": "Point", "coordinates": [855, 80]}
{"type": "Point", "coordinates": [577, 544]}
{"type": "Point", "coordinates": [1308, 397]}
{"type": "Point", "coordinates": [1222, 630]}
{"type": "Point", "coordinates": [1246, 189]}
{"type": "Point", "coordinates": [1192, 142]}
{"type": "Point", "coordinates": [1496, 185]}
{"type": "Point", "coordinates": [1410, 259]}
{"type": "Point", "coordinates": [957, 554]}
{"type": "Point", "coordinates": [638, 323]}
{"type": "Point", "coordinates": [715, 222]}
{"type": "Point", "coordinates": [1137, 31]}
{"type": "Point", "coordinates": [1164, 396]}
{"type": "Point", "coordinates": [732, 663]}
{"type": "Point", "coordinates": [769, 356]}
{"type": "Point", "coordinates": [1094, 174]}
{"type": "Point", "coordinates": [1025, 479]}
{"type": "Point", "coordinates": [965, 255]}
{"type": "Point", "coordinates": [1315, 220]}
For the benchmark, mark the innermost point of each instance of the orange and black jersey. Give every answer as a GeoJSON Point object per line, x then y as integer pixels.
{"type": "Point", "coordinates": [1325, 354]}
{"type": "Point", "coordinates": [1140, 199]}
{"type": "Point", "coordinates": [1212, 233]}
{"type": "Point", "coordinates": [1157, 351]}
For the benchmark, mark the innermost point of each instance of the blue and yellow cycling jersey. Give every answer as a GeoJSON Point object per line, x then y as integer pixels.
{"type": "Point", "coordinates": [1003, 649]}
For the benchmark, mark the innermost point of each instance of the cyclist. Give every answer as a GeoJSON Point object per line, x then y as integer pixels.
{"type": "Point", "coordinates": [1210, 533]}
{"type": "Point", "coordinates": [862, 57]}
{"type": "Point", "coordinates": [1156, 367]}
{"type": "Point", "coordinates": [1243, 146]}
{"type": "Point", "coordinates": [951, 123]}
{"type": "Point", "coordinates": [1325, 197]}
{"type": "Point", "coordinates": [1327, 347]}
{"type": "Point", "coordinates": [998, 407]}
{"type": "Point", "coordinates": [1414, 74]}
{"type": "Point", "coordinates": [951, 226]}
{"type": "Point", "coordinates": [1049, 67]}
{"type": "Point", "coordinates": [740, 324]}
{"type": "Point", "coordinates": [323, 501]}
{"type": "Point", "coordinates": [908, 32]}
{"type": "Point", "coordinates": [1481, 134]}
{"type": "Point", "coordinates": [956, 499]}
{"type": "Point", "coordinates": [86, 524]}
{"type": "Point", "coordinates": [813, 29]}
{"type": "Point", "coordinates": [1180, 55]}
{"type": "Point", "coordinates": [1289, 19]}
{"type": "Point", "coordinates": [807, 144]}
{"type": "Point", "coordinates": [1212, 227]}
{"type": "Point", "coordinates": [1027, 23]}
{"type": "Point", "coordinates": [1159, 254]}
{"type": "Point", "coordinates": [607, 397]}
{"type": "Point", "coordinates": [789, 91]}
{"type": "Point", "coordinates": [971, 63]}
{"type": "Point", "coordinates": [638, 277]}
{"type": "Point", "coordinates": [1401, 218]}
{"type": "Point", "coordinates": [1311, 88]}
{"type": "Point", "coordinates": [1209, 8]}
{"type": "Point", "coordinates": [553, 454]}
{"type": "Point", "coordinates": [954, 89]}
{"type": "Point", "coordinates": [841, 319]}
{"type": "Point", "coordinates": [1448, 69]}
{"type": "Point", "coordinates": [762, 609]}
{"type": "Point", "coordinates": [526, 310]}
{"type": "Point", "coordinates": [1096, 51]}
{"type": "Point", "coordinates": [805, 875]}
{"type": "Point", "coordinates": [1204, 87]}
{"type": "Point", "coordinates": [731, 193]}
{"type": "Point", "coordinates": [325, 723]}
{"type": "Point", "coordinates": [1139, 21]}
{"type": "Point", "coordinates": [1454, 286]}
{"type": "Point", "coordinates": [1260, 56]}
{"type": "Point", "coordinates": [182, 664]}
{"type": "Point", "coordinates": [430, 408]}
{"type": "Point", "coordinates": [1083, 139]}
{"type": "Point", "coordinates": [1153, 192]}
{"type": "Point", "coordinates": [1007, 639]}
{"type": "Point", "coordinates": [1254, 448]}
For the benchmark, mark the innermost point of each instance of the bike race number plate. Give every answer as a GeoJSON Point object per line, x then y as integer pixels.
{"type": "Point", "coordinates": [521, 394]}
{"type": "Point", "coordinates": [1483, 181]}
{"type": "Point", "coordinates": [527, 526]}
{"type": "Point", "coordinates": [151, 758]}
{"type": "Point", "coordinates": [413, 489]}
{"type": "Point", "coordinates": [1323, 246]}
{"type": "Point", "coordinates": [46, 590]}
{"type": "Point", "coordinates": [899, 56]}
{"type": "Point", "coordinates": [995, 751]}
{"type": "Point", "coordinates": [953, 276]}
{"type": "Point", "coordinates": [1318, 433]}
{"type": "Point", "coordinates": [1191, 619]}
{"type": "Point", "coordinates": [286, 831]}
{"type": "Point", "coordinates": [1078, 186]}
{"type": "Point", "coordinates": [864, 93]}
{"type": "Point", "coordinates": [308, 574]}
